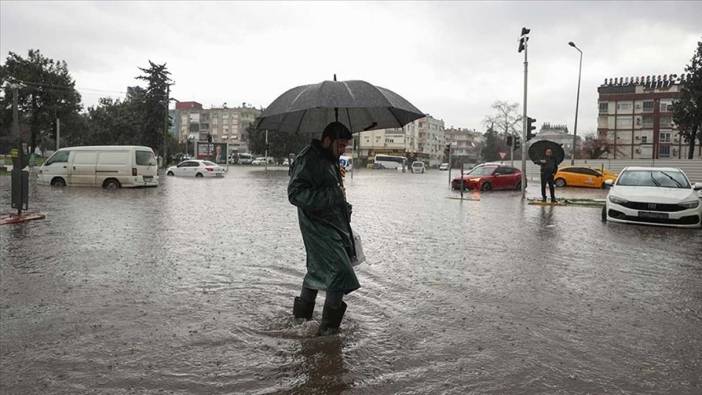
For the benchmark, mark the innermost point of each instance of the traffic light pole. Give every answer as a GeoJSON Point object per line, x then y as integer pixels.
{"type": "Point", "coordinates": [524, 122]}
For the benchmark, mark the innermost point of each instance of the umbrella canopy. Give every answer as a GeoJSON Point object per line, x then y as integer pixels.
{"type": "Point", "coordinates": [538, 148]}
{"type": "Point", "coordinates": [357, 104]}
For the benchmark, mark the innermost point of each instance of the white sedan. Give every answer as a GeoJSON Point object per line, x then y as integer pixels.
{"type": "Point", "coordinates": [654, 196]}
{"type": "Point", "coordinates": [196, 168]}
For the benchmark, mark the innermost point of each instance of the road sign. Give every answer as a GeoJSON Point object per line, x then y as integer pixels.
{"type": "Point", "coordinates": [502, 155]}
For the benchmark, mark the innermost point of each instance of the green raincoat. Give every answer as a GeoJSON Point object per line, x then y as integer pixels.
{"type": "Point", "coordinates": [315, 189]}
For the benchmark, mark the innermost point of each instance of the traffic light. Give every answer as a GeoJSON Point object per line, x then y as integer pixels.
{"type": "Point", "coordinates": [530, 127]}
{"type": "Point", "coordinates": [509, 141]}
{"type": "Point", "coordinates": [523, 39]}
{"type": "Point", "coordinates": [517, 142]}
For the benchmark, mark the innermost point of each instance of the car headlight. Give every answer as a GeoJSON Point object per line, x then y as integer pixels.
{"type": "Point", "coordinates": [617, 200]}
{"type": "Point", "coordinates": [690, 204]}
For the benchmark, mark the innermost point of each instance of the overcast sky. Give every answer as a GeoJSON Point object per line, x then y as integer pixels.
{"type": "Point", "coordinates": [452, 59]}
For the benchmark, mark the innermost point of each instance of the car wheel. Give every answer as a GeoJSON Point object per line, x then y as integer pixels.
{"type": "Point", "coordinates": [560, 182]}
{"type": "Point", "coordinates": [198, 175]}
{"type": "Point", "coordinates": [58, 182]}
{"type": "Point", "coordinates": [170, 173]}
{"type": "Point", "coordinates": [604, 213]}
{"type": "Point", "coordinates": [486, 187]}
{"type": "Point", "coordinates": [111, 184]}
{"type": "Point", "coordinates": [518, 187]}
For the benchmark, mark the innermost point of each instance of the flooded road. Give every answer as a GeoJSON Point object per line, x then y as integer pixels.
{"type": "Point", "coordinates": [188, 288]}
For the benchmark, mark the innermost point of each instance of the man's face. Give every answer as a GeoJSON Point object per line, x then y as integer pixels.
{"type": "Point", "coordinates": [548, 152]}
{"type": "Point", "coordinates": [338, 146]}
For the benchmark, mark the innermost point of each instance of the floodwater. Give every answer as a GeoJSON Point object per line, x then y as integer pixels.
{"type": "Point", "coordinates": [188, 288]}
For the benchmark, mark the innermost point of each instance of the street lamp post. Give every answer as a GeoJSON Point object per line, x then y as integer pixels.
{"type": "Point", "coordinates": [577, 102]}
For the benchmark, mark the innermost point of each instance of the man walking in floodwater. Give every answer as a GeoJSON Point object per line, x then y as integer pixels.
{"type": "Point", "coordinates": [316, 189]}
{"type": "Point", "coordinates": [549, 167]}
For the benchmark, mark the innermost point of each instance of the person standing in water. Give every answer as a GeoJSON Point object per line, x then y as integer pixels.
{"type": "Point", "coordinates": [316, 189]}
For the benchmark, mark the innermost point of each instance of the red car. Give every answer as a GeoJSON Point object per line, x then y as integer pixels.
{"type": "Point", "coordinates": [488, 177]}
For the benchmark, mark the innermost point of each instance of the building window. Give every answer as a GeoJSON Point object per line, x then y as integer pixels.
{"type": "Point", "coordinates": [666, 122]}
{"type": "Point", "coordinates": [647, 121]}
{"type": "Point", "coordinates": [624, 122]}
{"type": "Point", "coordinates": [644, 139]}
{"type": "Point", "coordinates": [648, 106]}
{"type": "Point", "coordinates": [664, 137]}
{"type": "Point", "coordinates": [623, 107]}
{"type": "Point", "coordinates": [664, 151]}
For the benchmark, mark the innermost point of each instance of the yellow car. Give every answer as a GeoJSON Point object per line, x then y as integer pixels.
{"type": "Point", "coordinates": [574, 176]}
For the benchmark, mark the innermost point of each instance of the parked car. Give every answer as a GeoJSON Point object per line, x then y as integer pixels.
{"type": "Point", "coordinates": [444, 166]}
{"type": "Point", "coordinates": [417, 167]}
{"type": "Point", "coordinates": [654, 196]}
{"type": "Point", "coordinates": [107, 166]}
{"type": "Point", "coordinates": [574, 176]}
{"type": "Point", "coordinates": [261, 161]}
{"type": "Point", "coordinates": [488, 176]}
{"type": "Point", "coordinates": [245, 159]}
{"type": "Point", "coordinates": [196, 168]}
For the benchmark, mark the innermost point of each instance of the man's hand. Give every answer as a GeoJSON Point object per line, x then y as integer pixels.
{"type": "Point", "coordinates": [342, 171]}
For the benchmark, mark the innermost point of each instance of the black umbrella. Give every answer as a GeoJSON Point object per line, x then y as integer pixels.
{"type": "Point", "coordinates": [357, 104]}
{"type": "Point", "coordinates": [538, 148]}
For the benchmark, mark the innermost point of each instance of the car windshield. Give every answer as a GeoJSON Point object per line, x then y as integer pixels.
{"type": "Point", "coordinates": [481, 171]}
{"type": "Point", "coordinates": [208, 163]}
{"type": "Point", "coordinates": [653, 178]}
{"type": "Point", "coordinates": [417, 164]}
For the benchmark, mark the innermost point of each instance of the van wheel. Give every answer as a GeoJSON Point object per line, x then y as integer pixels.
{"type": "Point", "coordinates": [486, 187]}
{"type": "Point", "coordinates": [198, 175]}
{"type": "Point", "coordinates": [111, 184]}
{"type": "Point", "coordinates": [58, 182]}
{"type": "Point", "coordinates": [560, 182]}
{"type": "Point", "coordinates": [170, 173]}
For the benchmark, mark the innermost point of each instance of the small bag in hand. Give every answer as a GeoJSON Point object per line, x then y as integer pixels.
{"type": "Point", "coordinates": [359, 257]}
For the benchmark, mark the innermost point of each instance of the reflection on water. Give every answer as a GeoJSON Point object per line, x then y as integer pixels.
{"type": "Point", "coordinates": [188, 288]}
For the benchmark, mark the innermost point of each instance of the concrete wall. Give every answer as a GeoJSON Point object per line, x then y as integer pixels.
{"type": "Point", "coordinates": [693, 168]}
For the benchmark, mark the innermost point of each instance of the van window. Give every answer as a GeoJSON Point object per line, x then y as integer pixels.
{"type": "Point", "coordinates": [145, 158]}
{"type": "Point", "coordinates": [114, 158]}
{"type": "Point", "coordinates": [58, 157]}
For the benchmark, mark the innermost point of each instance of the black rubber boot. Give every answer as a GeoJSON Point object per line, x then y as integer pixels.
{"type": "Point", "coordinates": [331, 320]}
{"type": "Point", "coordinates": [303, 309]}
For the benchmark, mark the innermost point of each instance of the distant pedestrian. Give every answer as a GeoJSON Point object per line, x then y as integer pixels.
{"type": "Point", "coordinates": [549, 167]}
{"type": "Point", "coordinates": [316, 189]}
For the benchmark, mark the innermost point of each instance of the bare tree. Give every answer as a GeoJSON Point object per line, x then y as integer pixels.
{"type": "Point", "coordinates": [503, 120]}
{"type": "Point", "coordinates": [505, 117]}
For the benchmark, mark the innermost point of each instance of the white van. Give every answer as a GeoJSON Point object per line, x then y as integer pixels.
{"type": "Point", "coordinates": [108, 166]}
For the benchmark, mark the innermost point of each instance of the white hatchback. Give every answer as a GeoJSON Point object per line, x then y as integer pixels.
{"type": "Point", "coordinates": [654, 196]}
{"type": "Point", "coordinates": [196, 168]}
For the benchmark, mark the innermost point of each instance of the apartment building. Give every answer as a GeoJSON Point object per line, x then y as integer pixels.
{"type": "Point", "coordinates": [466, 144]}
{"type": "Point", "coordinates": [636, 119]}
{"type": "Point", "coordinates": [422, 140]}
{"type": "Point", "coordinates": [222, 125]}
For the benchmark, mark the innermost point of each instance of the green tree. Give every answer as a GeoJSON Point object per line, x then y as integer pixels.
{"type": "Point", "coordinates": [155, 104]}
{"type": "Point", "coordinates": [687, 111]}
{"type": "Point", "coordinates": [46, 92]}
{"type": "Point", "coordinates": [489, 152]}
{"type": "Point", "coordinates": [117, 122]}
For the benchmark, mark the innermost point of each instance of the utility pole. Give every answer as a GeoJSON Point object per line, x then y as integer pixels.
{"type": "Point", "coordinates": [266, 151]}
{"type": "Point", "coordinates": [165, 127]}
{"type": "Point", "coordinates": [58, 133]}
{"type": "Point", "coordinates": [523, 41]}
{"type": "Point", "coordinates": [577, 103]}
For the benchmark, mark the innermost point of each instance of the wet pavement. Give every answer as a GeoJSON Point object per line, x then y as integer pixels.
{"type": "Point", "coordinates": [188, 288]}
